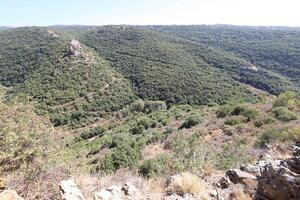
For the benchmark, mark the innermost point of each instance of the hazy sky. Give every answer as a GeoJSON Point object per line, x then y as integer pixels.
{"type": "Point", "coordinates": [99, 12]}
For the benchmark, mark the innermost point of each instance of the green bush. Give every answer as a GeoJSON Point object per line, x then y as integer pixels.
{"type": "Point", "coordinates": [191, 121]}
{"type": "Point", "coordinates": [284, 114]}
{"type": "Point", "coordinates": [137, 106]}
{"type": "Point", "coordinates": [262, 121]}
{"type": "Point", "coordinates": [122, 156]}
{"type": "Point", "coordinates": [151, 106]}
{"type": "Point", "coordinates": [246, 112]}
{"type": "Point", "coordinates": [233, 121]}
{"type": "Point", "coordinates": [92, 133]}
{"type": "Point", "coordinates": [224, 111]}
{"type": "Point", "coordinates": [287, 99]}
{"type": "Point", "coordinates": [153, 167]}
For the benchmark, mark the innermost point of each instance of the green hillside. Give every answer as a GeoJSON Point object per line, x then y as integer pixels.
{"type": "Point", "coordinates": [272, 48]}
{"type": "Point", "coordinates": [162, 68]}
{"type": "Point", "coordinates": [74, 89]}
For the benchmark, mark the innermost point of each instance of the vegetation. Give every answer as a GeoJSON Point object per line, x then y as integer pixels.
{"type": "Point", "coordinates": [284, 114]}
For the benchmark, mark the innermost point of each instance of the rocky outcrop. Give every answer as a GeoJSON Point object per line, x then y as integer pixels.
{"type": "Point", "coordinates": [75, 48]}
{"type": "Point", "coordinates": [70, 191]}
{"type": "Point", "coordinates": [127, 191]}
{"type": "Point", "coordinates": [280, 181]}
{"type": "Point", "coordinates": [10, 195]}
{"type": "Point", "coordinates": [238, 176]}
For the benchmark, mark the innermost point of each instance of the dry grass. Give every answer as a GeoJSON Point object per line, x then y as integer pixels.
{"type": "Point", "coordinates": [239, 194]}
{"type": "Point", "coordinates": [189, 183]}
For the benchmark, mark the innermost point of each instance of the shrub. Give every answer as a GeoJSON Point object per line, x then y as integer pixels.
{"type": "Point", "coordinates": [262, 121]}
{"type": "Point", "coordinates": [153, 167]}
{"type": "Point", "coordinates": [233, 121]}
{"type": "Point", "coordinates": [137, 106]}
{"type": "Point", "coordinates": [287, 99]}
{"type": "Point", "coordinates": [292, 134]}
{"type": "Point", "coordinates": [92, 133]}
{"type": "Point", "coordinates": [284, 114]}
{"type": "Point", "coordinates": [122, 156]}
{"type": "Point", "coordinates": [151, 106]}
{"type": "Point", "coordinates": [224, 111]}
{"type": "Point", "coordinates": [246, 112]}
{"type": "Point", "coordinates": [192, 121]}
{"type": "Point", "coordinates": [187, 183]}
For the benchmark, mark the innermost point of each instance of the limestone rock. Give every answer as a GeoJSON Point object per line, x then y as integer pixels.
{"type": "Point", "coordinates": [75, 48]}
{"type": "Point", "coordinates": [10, 195]}
{"type": "Point", "coordinates": [238, 176]}
{"type": "Point", "coordinates": [281, 181]}
{"type": "Point", "coordinates": [70, 191]}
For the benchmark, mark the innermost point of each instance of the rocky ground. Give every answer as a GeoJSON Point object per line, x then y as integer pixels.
{"type": "Point", "coordinates": [269, 178]}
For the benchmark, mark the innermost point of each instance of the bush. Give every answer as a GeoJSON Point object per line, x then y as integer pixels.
{"type": "Point", "coordinates": [292, 134]}
{"type": "Point", "coordinates": [287, 99]}
{"type": "Point", "coordinates": [192, 121]}
{"type": "Point", "coordinates": [122, 156]}
{"type": "Point", "coordinates": [137, 106]}
{"type": "Point", "coordinates": [224, 111]}
{"type": "Point", "coordinates": [92, 133]}
{"type": "Point", "coordinates": [233, 121]}
{"type": "Point", "coordinates": [246, 112]}
{"type": "Point", "coordinates": [153, 167]}
{"type": "Point", "coordinates": [284, 114]}
{"type": "Point", "coordinates": [262, 121]}
{"type": "Point", "coordinates": [151, 106]}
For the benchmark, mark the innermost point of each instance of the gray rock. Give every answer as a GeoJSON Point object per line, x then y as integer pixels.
{"type": "Point", "coordinates": [238, 176]}
{"type": "Point", "coordinates": [70, 191]}
{"type": "Point", "coordinates": [280, 181]}
{"type": "Point", "coordinates": [75, 48]}
{"type": "Point", "coordinates": [10, 195]}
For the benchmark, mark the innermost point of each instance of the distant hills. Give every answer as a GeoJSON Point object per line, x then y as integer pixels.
{"type": "Point", "coordinates": [117, 64]}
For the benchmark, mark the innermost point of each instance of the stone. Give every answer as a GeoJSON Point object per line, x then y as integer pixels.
{"type": "Point", "coordinates": [252, 169]}
{"type": "Point", "coordinates": [238, 176]}
{"type": "Point", "coordinates": [10, 195]}
{"type": "Point", "coordinates": [280, 181]}
{"type": "Point", "coordinates": [75, 48]}
{"type": "Point", "coordinates": [296, 150]}
{"type": "Point", "coordinates": [111, 193]}
{"type": "Point", "coordinates": [130, 190]}
{"type": "Point", "coordinates": [224, 182]}
{"type": "Point", "coordinates": [70, 191]}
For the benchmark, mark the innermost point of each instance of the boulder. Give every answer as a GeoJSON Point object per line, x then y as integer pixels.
{"type": "Point", "coordinates": [75, 48]}
{"type": "Point", "coordinates": [238, 176]}
{"type": "Point", "coordinates": [10, 195]}
{"type": "Point", "coordinates": [111, 193]}
{"type": "Point", "coordinates": [70, 191]}
{"type": "Point", "coordinates": [280, 181]}
{"type": "Point", "coordinates": [296, 150]}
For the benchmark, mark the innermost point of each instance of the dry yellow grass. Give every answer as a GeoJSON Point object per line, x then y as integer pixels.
{"type": "Point", "coordinates": [239, 194]}
{"type": "Point", "coordinates": [189, 183]}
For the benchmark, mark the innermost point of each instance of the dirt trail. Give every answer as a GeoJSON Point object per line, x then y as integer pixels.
{"type": "Point", "coordinates": [89, 95]}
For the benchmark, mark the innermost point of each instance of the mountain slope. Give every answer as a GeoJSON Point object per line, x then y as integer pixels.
{"type": "Point", "coordinates": [272, 48]}
{"type": "Point", "coordinates": [64, 76]}
{"type": "Point", "coordinates": [161, 68]}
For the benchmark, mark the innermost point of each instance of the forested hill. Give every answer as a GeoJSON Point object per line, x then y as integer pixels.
{"type": "Point", "coordinates": [78, 73]}
{"type": "Point", "coordinates": [273, 48]}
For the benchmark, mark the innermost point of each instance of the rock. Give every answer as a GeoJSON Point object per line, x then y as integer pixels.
{"type": "Point", "coordinates": [10, 195]}
{"type": "Point", "coordinates": [70, 191]}
{"type": "Point", "coordinates": [280, 181]}
{"type": "Point", "coordinates": [75, 48]}
{"type": "Point", "coordinates": [238, 176]}
{"type": "Point", "coordinates": [184, 197]}
{"type": "Point", "coordinates": [252, 169]}
{"type": "Point", "coordinates": [296, 150]}
{"type": "Point", "coordinates": [130, 190]}
{"type": "Point", "coordinates": [224, 182]}
{"type": "Point", "coordinates": [127, 191]}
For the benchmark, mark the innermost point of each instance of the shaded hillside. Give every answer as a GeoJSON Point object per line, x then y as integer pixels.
{"type": "Point", "coordinates": [161, 67]}
{"type": "Point", "coordinates": [272, 48]}
{"type": "Point", "coordinates": [64, 76]}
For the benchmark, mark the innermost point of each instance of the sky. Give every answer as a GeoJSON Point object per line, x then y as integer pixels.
{"type": "Point", "coordinates": [143, 12]}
